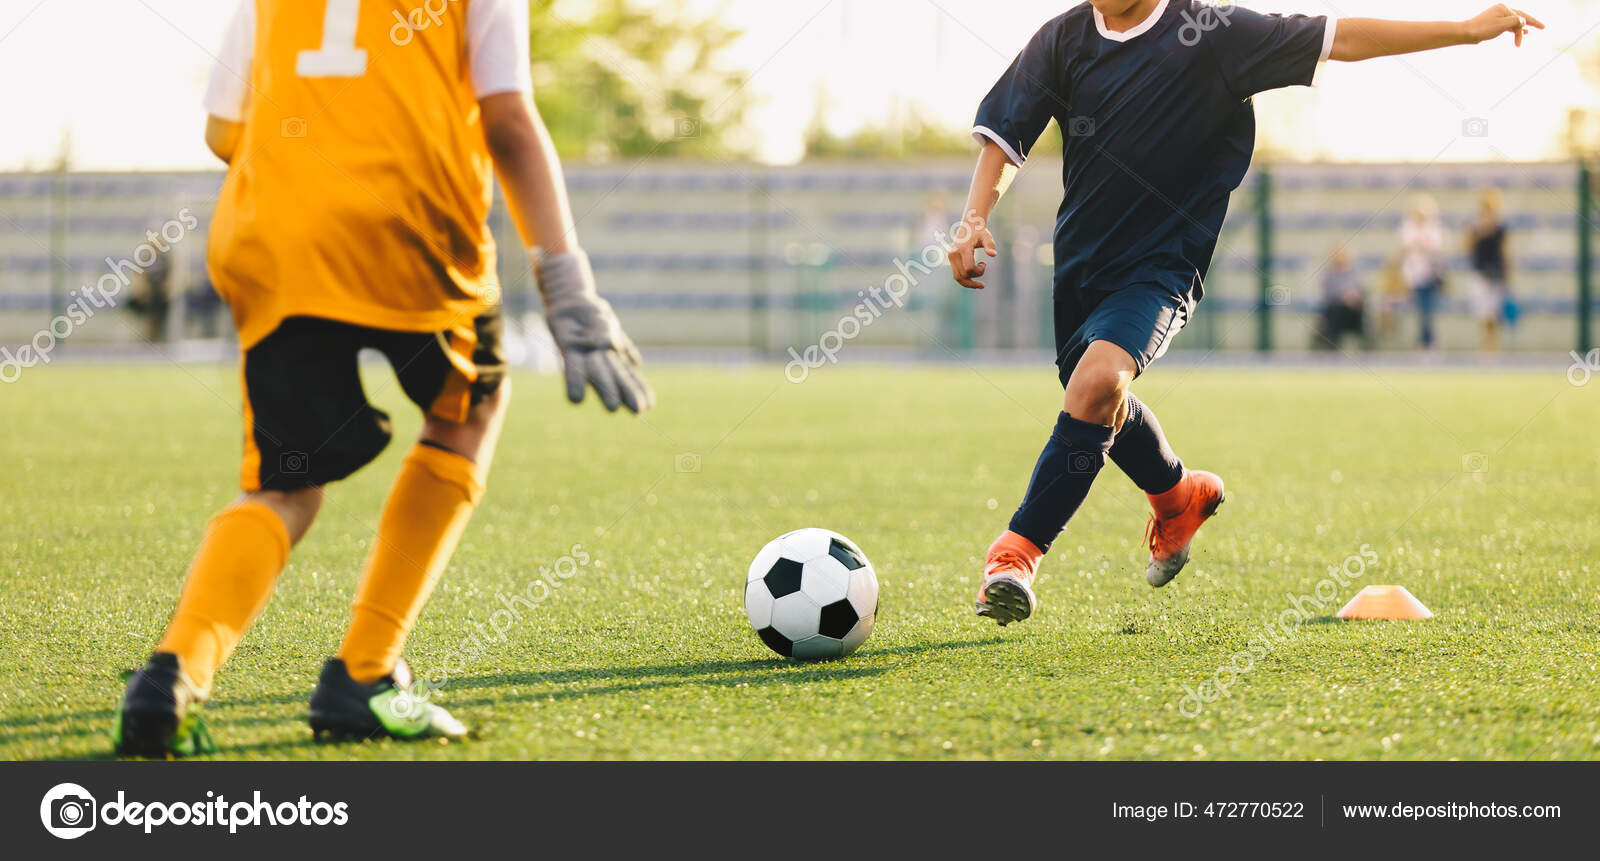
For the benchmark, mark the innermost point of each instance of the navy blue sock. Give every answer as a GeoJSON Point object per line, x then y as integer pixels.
{"type": "Point", "coordinates": [1141, 450]}
{"type": "Point", "coordinates": [1061, 479]}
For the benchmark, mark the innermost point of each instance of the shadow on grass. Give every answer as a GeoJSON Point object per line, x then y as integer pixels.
{"type": "Point", "coordinates": [720, 674]}
{"type": "Point", "coordinates": [225, 751]}
{"type": "Point", "coordinates": [616, 679]}
{"type": "Point", "coordinates": [98, 721]}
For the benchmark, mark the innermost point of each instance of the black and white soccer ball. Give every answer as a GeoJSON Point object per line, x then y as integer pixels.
{"type": "Point", "coordinates": [812, 595]}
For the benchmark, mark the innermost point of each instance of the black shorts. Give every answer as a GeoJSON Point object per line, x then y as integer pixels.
{"type": "Point", "coordinates": [1140, 318]}
{"type": "Point", "coordinates": [307, 419]}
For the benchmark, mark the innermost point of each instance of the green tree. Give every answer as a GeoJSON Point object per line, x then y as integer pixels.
{"type": "Point", "coordinates": [1583, 123]}
{"type": "Point", "coordinates": [913, 138]}
{"type": "Point", "coordinates": [916, 136]}
{"type": "Point", "coordinates": [616, 79]}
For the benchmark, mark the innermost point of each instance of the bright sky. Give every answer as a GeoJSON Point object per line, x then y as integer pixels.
{"type": "Point", "coordinates": [126, 76]}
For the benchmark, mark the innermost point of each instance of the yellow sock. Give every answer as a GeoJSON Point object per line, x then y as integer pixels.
{"type": "Point", "coordinates": [428, 509]}
{"type": "Point", "coordinates": [229, 582]}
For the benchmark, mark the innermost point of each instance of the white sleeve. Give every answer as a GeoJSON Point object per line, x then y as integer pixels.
{"type": "Point", "coordinates": [229, 86]}
{"type": "Point", "coordinates": [1328, 33]}
{"type": "Point", "coordinates": [497, 45]}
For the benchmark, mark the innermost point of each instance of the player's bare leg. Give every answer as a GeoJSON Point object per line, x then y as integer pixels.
{"type": "Point", "coordinates": [1098, 389]}
{"type": "Point", "coordinates": [296, 508]}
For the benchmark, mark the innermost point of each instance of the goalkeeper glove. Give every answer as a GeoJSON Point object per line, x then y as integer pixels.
{"type": "Point", "coordinates": [594, 349]}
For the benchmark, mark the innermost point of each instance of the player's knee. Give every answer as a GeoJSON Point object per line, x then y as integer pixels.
{"type": "Point", "coordinates": [1109, 383]}
{"type": "Point", "coordinates": [487, 413]}
{"type": "Point", "coordinates": [473, 436]}
{"type": "Point", "coordinates": [494, 404]}
{"type": "Point", "coordinates": [1098, 393]}
{"type": "Point", "coordinates": [296, 508]}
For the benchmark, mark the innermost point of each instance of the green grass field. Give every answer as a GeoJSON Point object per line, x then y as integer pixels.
{"type": "Point", "coordinates": [1476, 490]}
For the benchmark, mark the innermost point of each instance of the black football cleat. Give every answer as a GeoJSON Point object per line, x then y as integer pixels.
{"type": "Point", "coordinates": [160, 713]}
{"type": "Point", "coordinates": [343, 709]}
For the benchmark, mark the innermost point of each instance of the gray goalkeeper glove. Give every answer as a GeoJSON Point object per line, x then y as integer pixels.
{"type": "Point", "coordinates": [594, 349]}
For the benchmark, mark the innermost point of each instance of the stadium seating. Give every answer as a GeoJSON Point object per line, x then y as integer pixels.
{"type": "Point", "coordinates": [711, 255]}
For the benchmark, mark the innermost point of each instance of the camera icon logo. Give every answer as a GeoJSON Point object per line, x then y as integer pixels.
{"type": "Point", "coordinates": [688, 462]}
{"type": "Point", "coordinates": [1083, 463]}
{"type": "Point", "coordinates": [686, 127]}
{"type": "Point", "coordinates": [68, 811]}
{"type": "Point", "coordinates": [1474, 127]}
{"type": "Point", "coordinates": [491, 295]}
{"type": "Point", "coordinates": [1080, 127]}
{"type": "Point", "coordinates": [294, 463]}
{"type": "Point", "coordinates": [293, 127]}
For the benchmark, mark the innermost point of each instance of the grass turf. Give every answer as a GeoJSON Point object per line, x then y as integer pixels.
{"type": "Point", "coordinates": [1475, 490]}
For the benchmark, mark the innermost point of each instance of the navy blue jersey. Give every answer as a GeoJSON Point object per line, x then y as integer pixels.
{"type": "Point", "coordinates": [1158, 129]}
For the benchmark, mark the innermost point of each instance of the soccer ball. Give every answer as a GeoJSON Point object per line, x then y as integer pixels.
{"type": "Point", "coordinates": [812, 595]}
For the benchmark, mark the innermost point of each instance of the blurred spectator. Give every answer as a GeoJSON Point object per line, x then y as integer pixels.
{"type": "Point", "coordinates": [1422, 262]}
{"type": "Point", "coordinates": [1486, 245]}
{"type": "Point", "coordinates": [203, 309]}
{"type": "Point", "coordinates": [1393, 294]}
{"type": "Point", "coordinates": [152, 295]}
{"type": "Point", "coordinates": [938, 219]}
{"type": "Point", "coordinates": [1343, 309]}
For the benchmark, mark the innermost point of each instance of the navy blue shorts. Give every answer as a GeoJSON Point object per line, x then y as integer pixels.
{"type": "Point", "coordinates": [1140, 318]}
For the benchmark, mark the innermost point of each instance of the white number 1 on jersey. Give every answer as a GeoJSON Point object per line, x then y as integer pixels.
{"type": "Point", "coordinates": [338, 57]}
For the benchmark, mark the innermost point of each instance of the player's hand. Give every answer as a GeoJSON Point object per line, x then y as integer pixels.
{"type": "Point", "coordinates": [964, 262]}
{"type": "Point", "coordinates": [594, 349]}
{"type": "Point", "coordinates": [1501, 19]}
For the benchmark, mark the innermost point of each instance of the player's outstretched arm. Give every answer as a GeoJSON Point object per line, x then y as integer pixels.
{"type": "Point", "coordinates": [525, 159]}
{"type": "Point", "coordinates": [1365, 38]}
{"type": "Point", "coordinates": [595, 352]}
{"type": "Point", "coordinates": [990, 180]}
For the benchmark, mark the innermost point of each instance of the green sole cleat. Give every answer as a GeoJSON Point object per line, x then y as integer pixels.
{"type": "Point", "coordinates": [160, 714]}
{"type": "Point", "coordinates": [343, 709]}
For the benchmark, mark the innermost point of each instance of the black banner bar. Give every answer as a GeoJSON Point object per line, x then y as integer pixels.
{"type": "Point", "coordinates": [68, 808]}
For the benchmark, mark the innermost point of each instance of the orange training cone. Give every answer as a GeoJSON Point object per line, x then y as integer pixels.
{"type": "Point", "coordinates": [1385, 602]}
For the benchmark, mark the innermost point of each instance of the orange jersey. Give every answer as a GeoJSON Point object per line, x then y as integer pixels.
{"type": "Point", "coordinates": [361, 185]}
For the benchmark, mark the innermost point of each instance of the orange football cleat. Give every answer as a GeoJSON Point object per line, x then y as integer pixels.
{"type": "Point", "coordinates": [1178, 515]}
{"type": "Point", "coordinates": [1007, 592]}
